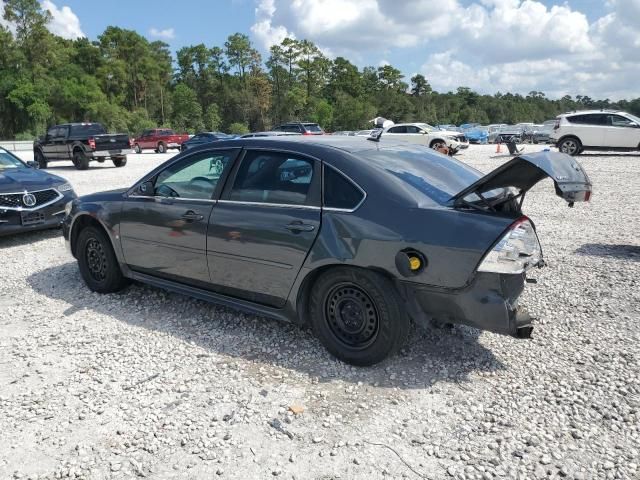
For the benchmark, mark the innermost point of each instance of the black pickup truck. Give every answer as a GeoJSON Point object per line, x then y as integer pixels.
{"type": "Point", "coordinates": [81, 143]}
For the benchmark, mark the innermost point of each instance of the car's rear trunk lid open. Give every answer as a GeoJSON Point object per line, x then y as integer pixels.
{"type": "Point", "coordinates": [522, 173]}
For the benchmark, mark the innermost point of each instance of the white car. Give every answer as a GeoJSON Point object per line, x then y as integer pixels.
{"type": "Point", "coordinates": [425, 134]}
{"type": "Point", "coordinates": [596, 130]}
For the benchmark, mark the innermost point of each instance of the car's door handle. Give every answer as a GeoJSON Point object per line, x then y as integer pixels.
{"type": "Point", "coordinates": [190, 215]}
{"type": "Point", "coordinates": [300, 227]}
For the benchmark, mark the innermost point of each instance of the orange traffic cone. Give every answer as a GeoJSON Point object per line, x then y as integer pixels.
{"type": "Point", "coordinates": [498, 147]}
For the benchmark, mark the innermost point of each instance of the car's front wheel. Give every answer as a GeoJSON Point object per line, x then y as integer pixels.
{"type": "Point", "coordinates": [358, 315]}
{"type": "Point", "coordinates": [137, 148]}
{"type": "Point", "coordinates": [97, 262]}
{"type": "Point", "coordinates": [437, 145]}
{"type": "Point", "coordinates": [570, 146]}
{"type": "Point", "coordinates": [40, 159]}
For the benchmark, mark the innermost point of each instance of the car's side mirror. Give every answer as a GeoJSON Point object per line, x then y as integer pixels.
{"type": "Point", "coordinates": [33, 164]}
{"type": "Point", "coordinates": [145, 189]}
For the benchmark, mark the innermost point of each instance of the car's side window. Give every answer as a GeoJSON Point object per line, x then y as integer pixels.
{"type": "Point", "coordinates": [52, 132]}
{"type": "Point", "coordinates": [273, 177]}
{"type": "Point", "coordinates": [412, 129]}
{"type": "Point", "coordinates": [620, 121]}
{"type": "Point", "coordinates": [339, 191]}
{"type": "Point", "coordinates": [398, 130]}
{"type": "Point", "coordinates": [194, 177]}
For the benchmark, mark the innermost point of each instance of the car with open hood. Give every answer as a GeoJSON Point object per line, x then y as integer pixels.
{"type": "Point", "coordinates": [30, 199]}
{"type": "Point", "coordinates": [352, 236]}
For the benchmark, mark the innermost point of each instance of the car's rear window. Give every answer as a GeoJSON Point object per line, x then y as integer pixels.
{"type": "Point", "coordinates": [312, 127]}
{"type": "Point", "coordinates": [87, 129]}
{"type": "Point", "coordinates": [418, 168]}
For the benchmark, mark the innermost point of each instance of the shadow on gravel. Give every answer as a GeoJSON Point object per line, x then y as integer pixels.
{"type": "Point", "coordinates": [440, 355]}
{"type": "Point", "coordinates": [28, 238]}
{"type": "Point", "coordinates": [626, 252]}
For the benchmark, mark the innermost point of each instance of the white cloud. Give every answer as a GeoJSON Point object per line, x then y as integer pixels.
{"type": "Point", "coordinates": [166, 34]}
{"type": "Point", "coordinates": [64, 22]}
{"type": "Point", "coordinates": [489, 45]}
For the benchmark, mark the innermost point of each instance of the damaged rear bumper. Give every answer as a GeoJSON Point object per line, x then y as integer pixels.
{"type": "Point", "coordinates": [490, 303]}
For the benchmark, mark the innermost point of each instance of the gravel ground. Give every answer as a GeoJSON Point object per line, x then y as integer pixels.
{"type": "Point", "coordinates": [152, 384]}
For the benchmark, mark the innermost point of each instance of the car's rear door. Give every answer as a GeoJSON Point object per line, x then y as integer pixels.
{"type": "Point", "coordinates": [264, 225]}
{"type": "Point", "coordinates": [165, 235]}
{"type": "Point", "coordinates": [589, 128]}
{"type": "Point", "coordinates": [49, 148]}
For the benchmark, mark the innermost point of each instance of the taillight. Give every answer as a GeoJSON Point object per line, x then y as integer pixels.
{"type": "Point", "coordinates": [92, 144]}
{"type": "Point", "coordinates": [517, 251]}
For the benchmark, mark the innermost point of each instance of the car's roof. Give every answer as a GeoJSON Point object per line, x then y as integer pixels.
{"type": "Point", "coordinates": [587, 112]}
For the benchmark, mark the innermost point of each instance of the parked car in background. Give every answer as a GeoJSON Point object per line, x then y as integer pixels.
{"type": "Point", "coordinates": [475, 133]}
{"type": "Point", "coordinates": [507, 133]}
{"type": "Point", "coordinates": [365, 133]}
{"type": "Point", "coordinates": [81, 143]}
{"type": "Point", "coordinates": [160, 140]}
{"type": "Point", "coordinates": [352, 237]}
{"type": "Point", "coordinates": [493, 130]}
{"type": "Point", "coordinates": [425, 134]}
{"type": "Point", "coordinates": [542, 133]}
{"type": "Point", "coordinates": [268, 134]}
{"type": "Point", "coordinates": [204, 137]}
{"type": "Point", "coordinates": [30, 199]}
{"type": "Point", "coordinates": [596, 130]}
{"type": "Point", "coordinates": [344, 133]}
{"type": "Point", "coordinates": [304, 128]}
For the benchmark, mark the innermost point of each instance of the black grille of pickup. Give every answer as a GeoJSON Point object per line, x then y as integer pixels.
{"type": "Point", "coordinates": [14, 200]}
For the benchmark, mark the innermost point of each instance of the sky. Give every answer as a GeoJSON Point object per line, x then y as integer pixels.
{"type": "Point", "coordinates": [575, 47]}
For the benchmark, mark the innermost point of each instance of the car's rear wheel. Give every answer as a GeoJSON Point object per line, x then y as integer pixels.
{"type": "Point", "coordinates": [358, 315]}
{"type": "Point", "coordinates": [97, 262]}
{"type": "Point", "coordinates": [137, 148]}
{"type": "Point", "coordinates": [80, 160]}
{"type": "Point", "coordinates": [120, 161]}
{"type": "Point", "coordinates": [570, 146]}
{"type": "Point", "coordinates": [40, 159]}
{"type": "Point", "coordinates": [162, 148]}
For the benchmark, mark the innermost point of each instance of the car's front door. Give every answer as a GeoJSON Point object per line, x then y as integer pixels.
{"type": "Point", "coordinates": [145, 140]}
{"type": "Point", "coordinates": [164, 232]}
{"type": "Point", "coordinates": [49, 148]}
{"type": "Point", "coordinates": [621, 132]}
{"type": "Point", "coordinates": [264, 225]}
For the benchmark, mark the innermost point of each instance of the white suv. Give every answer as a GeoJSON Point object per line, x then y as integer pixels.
{"type": "Point", "coordinates": [425, 134]}
{"type": "Point", "coordinates": [596, 130]}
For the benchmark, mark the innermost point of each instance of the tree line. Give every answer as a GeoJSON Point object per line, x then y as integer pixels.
{"type": "Point", "coordinates": [130, 83]}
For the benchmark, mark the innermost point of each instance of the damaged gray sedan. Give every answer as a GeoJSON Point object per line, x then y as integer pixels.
{"type": "Point", "coordinates": [354, 238]}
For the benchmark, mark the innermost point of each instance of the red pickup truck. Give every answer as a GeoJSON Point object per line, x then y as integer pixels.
{"type": "Point", "coordinates": [159, 139]}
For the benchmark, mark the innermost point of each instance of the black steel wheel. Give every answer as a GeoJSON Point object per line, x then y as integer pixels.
{"type": "Point", "coordinates": [80, 160]}
{"type": "Point", "coordinates": [358, 315]}
{"type": "Point", "coordinates": [120, 161]}
{"type": "Point", "coordinates": [352, 316]}
{"type": "Point", "coordinates": [97, 261]}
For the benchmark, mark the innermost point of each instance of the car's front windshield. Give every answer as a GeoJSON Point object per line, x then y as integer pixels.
{"type": "Point", "coordinates": [9, 161]}
{"type": "Point", "coordinates": [634, 118]}
{"type": "Point", "coordinates": [426, 126]}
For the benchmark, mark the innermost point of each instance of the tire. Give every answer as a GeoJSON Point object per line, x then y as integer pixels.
{"type": "Point", "coordinates": [80, 160]}
{"type": "Point", "coordinates": [120, 161]}
{"type": "Point", "coordinates": [137, 148]}
{"type": "Point", "coordinates": [162, 148]}
{"type": "Point", "coordinates": [436, 144]}
{"type": "Point", "coordinates": [97, 262]}
{"type": "Point", "coordinates": [40, 159]}
{"type": "Point", "coordinates": [358, 315]}
{"type": "Point", "coordinates": [570, 146]}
